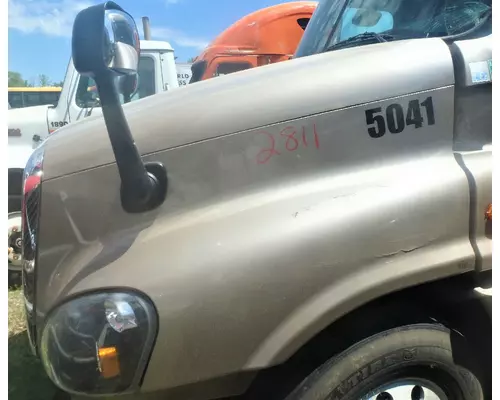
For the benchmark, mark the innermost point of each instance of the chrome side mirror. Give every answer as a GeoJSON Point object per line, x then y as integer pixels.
{"type": "Point", "coordinates": [105, 41]}
{"type": "Point", "coordinates": [106, 47]}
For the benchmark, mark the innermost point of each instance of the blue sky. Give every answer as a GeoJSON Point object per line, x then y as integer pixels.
{"type": "Point", "coordinates": [40, 30]}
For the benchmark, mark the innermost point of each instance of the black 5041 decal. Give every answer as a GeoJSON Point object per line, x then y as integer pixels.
{"type": "Point", "coordinates": [396, 119]}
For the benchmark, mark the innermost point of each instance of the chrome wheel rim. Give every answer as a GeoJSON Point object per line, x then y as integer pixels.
{"type": "Point", "coordinates": [408, 389]}
{"type": "Point", "coordinates": [14, 239]}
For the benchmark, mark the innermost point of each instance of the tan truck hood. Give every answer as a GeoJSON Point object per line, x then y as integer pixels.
{"type": "Point", "coordinates": [247, 100]}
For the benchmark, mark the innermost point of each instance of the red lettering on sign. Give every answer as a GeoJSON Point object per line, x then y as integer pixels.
{"type": "Point", "coordinates": [289, 140]}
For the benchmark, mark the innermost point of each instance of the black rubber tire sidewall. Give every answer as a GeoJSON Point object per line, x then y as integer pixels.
{"type": "Point", "coordinates": [14, 277]}
{"type": "Point", "coordinates": [420, 351]}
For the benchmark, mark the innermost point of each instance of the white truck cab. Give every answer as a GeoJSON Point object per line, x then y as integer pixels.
{"type": "Point", "coordinates": [29, 126]}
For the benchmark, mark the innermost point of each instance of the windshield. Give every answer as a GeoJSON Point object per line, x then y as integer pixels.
{"type": "Point", "coordinates": [335, 21]}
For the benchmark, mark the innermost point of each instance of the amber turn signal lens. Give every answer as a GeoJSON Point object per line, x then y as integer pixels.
{"type": "Point", "coordinates": [487, 213]}
{"type": "Point", "coordinates": [108, 362]}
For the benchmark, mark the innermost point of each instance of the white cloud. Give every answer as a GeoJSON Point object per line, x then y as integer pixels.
{"type": "Point", "coordinates": [56, 17]}
{"type": "Point", "coordinates": [178, 37]}
{"type": "Point", "coordinates": [52, 18]}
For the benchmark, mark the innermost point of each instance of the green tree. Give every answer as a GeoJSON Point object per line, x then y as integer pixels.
{"type": "Point", "coordinates": [191, 60]}
{"type": "Point", "coordinates": [44, 80]}
{"type": "Point", "coordinates": [16, 80]}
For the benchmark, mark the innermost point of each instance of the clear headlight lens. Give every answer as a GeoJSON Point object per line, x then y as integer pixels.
{"type": "Point", "coordinates": [99, 343]}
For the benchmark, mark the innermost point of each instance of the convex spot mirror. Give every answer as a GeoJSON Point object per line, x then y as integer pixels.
{"type": "Point", "coordinates": [105, 40]}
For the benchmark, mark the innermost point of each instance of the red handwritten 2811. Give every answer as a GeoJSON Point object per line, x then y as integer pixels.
{"type": "Point", "coordinates": [290, 138]}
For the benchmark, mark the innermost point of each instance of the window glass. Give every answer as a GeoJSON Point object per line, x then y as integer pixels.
{"type": "Point", "coordinates": [86, 93]}
{"type": "Point", "coordinates": [16, 99]}
{"type": "Point", "coordinates": [49, 97]}
{"type": "Point", "coordinates": [225, 68]}
{"type": "Point", "coordinates": [335, 21]}
{"type": "Point", "coordinates": [32, 99]}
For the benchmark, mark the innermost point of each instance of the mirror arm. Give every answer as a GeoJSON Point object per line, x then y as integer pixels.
{"type": "Point", "coordinates": [96, 54]}
{"type": "Point", "coordinates": [143, 186]}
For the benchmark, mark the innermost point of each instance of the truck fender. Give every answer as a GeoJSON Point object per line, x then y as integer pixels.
{"type": "Point", "coordinates": [405, 269]}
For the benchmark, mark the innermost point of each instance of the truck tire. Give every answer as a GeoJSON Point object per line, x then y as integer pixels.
{"type": "Point", "coordinates": [409, 362]}
{"type": "Point", "coordinates": [14, 276]}
{"type": "Point", "coordinates": [14, 206]}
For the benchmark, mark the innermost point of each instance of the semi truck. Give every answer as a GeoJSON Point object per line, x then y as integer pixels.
{"type": "Point", "coordinates": [29, 126]}
{"type": "Point", "coordinates": [262, 37]}
{"type": "Point", "coordinates": [313, 229]}
{"type": "Point", "coordinates": [266, 36]}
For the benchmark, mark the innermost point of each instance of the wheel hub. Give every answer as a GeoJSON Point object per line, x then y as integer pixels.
{"type": "Point", "coordinates": [407, 390]}
{"type": "Point", "coordinates": [15, 240]}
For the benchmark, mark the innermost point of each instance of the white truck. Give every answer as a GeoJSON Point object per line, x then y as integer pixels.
{"type": "Point", "coordinates": [27, 127]}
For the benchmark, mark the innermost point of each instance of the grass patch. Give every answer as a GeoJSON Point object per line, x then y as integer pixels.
{"type": "Point", "coordinates": [27, 380]}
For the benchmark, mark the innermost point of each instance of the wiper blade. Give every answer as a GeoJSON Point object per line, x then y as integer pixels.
{"type": "Point", "coordinates": [362, 37]}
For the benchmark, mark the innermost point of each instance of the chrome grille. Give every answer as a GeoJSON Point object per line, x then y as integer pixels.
{"type": "Point", "coordinates": [31, 210]}
{"type": "Point", "coordinates": [30, 219]}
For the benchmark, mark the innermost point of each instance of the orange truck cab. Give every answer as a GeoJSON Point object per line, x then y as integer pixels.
{"type": "Point", "coordinates": [263, 37]}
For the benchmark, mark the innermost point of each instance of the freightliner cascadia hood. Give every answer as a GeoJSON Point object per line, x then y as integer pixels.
{"type": "Point", "coordinates": [250, 99]}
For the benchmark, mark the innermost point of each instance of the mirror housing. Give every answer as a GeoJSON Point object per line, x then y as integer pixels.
{"type": "Point", "coordinates": [105, 40]}
{"type": "Point", "coordinates": [106, 47]}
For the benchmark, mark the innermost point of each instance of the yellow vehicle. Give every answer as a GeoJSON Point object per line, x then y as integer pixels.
{"type": "Point", "coordinates": [20, 97]}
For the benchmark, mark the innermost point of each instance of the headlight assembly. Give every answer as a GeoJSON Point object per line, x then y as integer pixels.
{"type": "Point", "coordinates": [99, 343]}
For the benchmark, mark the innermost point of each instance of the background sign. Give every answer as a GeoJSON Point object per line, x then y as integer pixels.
{"type": "Point", "coordinates": [183, 73]}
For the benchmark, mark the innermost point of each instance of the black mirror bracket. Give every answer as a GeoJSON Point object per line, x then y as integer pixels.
{"type": "Point", "coordinates": [157, 174]}
{"type": "Point", "coordinates": [143, 185]}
